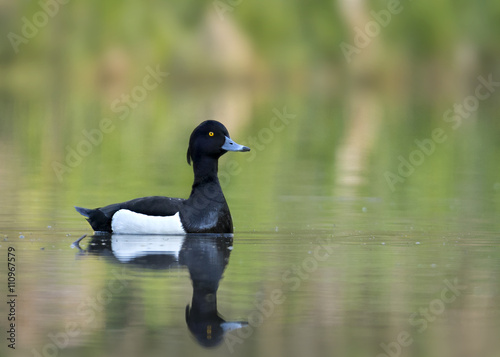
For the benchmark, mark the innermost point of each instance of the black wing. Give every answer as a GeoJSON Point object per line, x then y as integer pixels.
{"type": "Point", "coordinates": [100, 218]}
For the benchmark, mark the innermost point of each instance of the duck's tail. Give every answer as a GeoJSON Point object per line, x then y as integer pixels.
{"type": "Point", "coordinates": [85, 212]}
{"type": "Point", "coordinates": [97, 219]}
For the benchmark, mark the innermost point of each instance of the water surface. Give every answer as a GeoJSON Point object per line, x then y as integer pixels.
{"type": "Point", "coordinates": [314, 268]}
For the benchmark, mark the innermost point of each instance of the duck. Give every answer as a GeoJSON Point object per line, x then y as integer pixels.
{"type": "Point", "coordinates": [206, 209]}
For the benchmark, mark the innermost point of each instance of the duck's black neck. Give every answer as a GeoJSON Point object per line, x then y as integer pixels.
{"type": "Point", "coordinates": [204, 302]}
{"type": "Point", "coordinates": [205, 171]}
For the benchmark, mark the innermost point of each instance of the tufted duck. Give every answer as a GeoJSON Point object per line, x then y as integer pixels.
{"type": "Point", "coordinates": [205, 211]}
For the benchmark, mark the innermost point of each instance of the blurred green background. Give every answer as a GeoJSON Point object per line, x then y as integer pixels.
{"type": "Point", "coordinates": [63, 65]}
{"type": "Point", "coordinates": [84, 122]}
{"type": "Point", "coordinates": [236, 62]}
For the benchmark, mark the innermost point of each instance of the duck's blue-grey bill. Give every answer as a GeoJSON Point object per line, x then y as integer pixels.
{"type": "Point", "coordinates": [229, 326]}
{"type": "Point", "coordinates": [230, 145]}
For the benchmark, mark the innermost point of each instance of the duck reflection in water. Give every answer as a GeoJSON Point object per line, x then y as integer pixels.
{"type": "Point", "coordinates": [205, 256]}
{"type": "Point", "coordinates": [206, 260]}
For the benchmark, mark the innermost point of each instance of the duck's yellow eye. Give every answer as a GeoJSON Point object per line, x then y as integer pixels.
{"type": "Point", "coordinates": [211, 133]}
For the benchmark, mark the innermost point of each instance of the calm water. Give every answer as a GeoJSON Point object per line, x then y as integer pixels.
{"type": "Point", "coordinates": [366, 215]}
{"type": "Point", "coordinates": [315, 268]}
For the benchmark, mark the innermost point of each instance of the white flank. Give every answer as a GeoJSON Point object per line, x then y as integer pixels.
{"type": "Point", "coordinates": [128, 222]}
